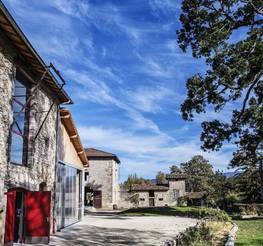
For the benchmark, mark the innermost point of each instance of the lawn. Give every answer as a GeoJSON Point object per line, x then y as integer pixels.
{"type": "Point", "coordinates": [195, 212]}
{"type": "Point", "coordinates": [250, 232]}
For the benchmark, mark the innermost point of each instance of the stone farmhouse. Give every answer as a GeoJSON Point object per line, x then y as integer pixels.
{"type": "Point", "coordinates": [101, 179]}
{"type": "Point", "coordinates": [151, 195]}
{"type": "Point", "coordinates": [41, 156]}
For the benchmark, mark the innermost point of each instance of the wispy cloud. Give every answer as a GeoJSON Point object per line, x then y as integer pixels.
{"type": "Point", "coordinates": [149, 99]}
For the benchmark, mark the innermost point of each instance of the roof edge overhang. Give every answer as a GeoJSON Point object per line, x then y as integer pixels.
{"type": "Point", "coordinates": [20, 41]}
{"type": "Point", "coordinates": [67, 121]}
{"type": "Point", "coordinates": [107, 155]}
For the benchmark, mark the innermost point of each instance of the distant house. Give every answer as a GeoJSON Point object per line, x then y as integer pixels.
{"type": "Point", "coordinates": [101, 179]}
{"type": "Point", "coordinates": [154, 195]}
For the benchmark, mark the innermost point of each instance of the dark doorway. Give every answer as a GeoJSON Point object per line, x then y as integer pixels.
{"type": "Point", "coordinates": [18, 230]}
{"type": "Point", "coordinates": [88, 197]}
{"type": "Point", "coordinates": [97, 199]}
{"type": "Point", "coordinates": [151, 198]}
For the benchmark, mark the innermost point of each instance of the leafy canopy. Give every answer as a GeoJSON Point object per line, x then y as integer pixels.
{"type": "Point", "coordinates": [199, 174]}
{"type": "Point", "coordinates": [228, 35]}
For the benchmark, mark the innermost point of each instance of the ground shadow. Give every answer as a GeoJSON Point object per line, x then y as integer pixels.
{"type": "Point", "coordinates": [93, 235]}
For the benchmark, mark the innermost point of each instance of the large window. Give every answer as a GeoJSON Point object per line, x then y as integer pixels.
{"type": "Point", "coordinates": [19, 128]}
{"type": "Point", "coordinates": [68, 193]}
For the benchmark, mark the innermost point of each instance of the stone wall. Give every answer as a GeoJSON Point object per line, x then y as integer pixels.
{"type": "Point", "coordinates": [40, 166]}
{"type": "Point", "coordinates": [160, 198]}
{"type": "Point", "coordinates": [100, 178]}
{"type": "Point", "coordinates": [7, 72]}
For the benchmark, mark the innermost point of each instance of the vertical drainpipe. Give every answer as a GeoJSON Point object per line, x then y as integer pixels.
{"type": "Point", "coordinates": [56, 166]}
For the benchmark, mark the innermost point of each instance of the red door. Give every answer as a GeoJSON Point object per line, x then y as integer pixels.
{"type": "Point", "coordinates": [97, 199]}
{"type": "Point", "coordinates": [10, 217]}
{"type": "Point", "coordinates": [37, 216]}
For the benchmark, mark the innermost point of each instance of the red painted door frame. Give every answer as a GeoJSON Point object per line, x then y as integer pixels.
{"type": "Point", "coordinates": [37, 216]}
{"type": "Point", "coordinates": [10, 217]}
{"type": "Point", "coordinates": [37, 207]}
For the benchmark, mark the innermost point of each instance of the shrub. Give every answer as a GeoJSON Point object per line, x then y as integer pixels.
{"type": "Point", "coordinates": [260, 209]}
{"type": "Point", "coordinates": [181, 200]}
{"type": "Point", "coordinates": [250, 209]}
{"type": "Point", "coordinates": [202, 212]}
{"type": "Point", "coordinates": [196, 236]}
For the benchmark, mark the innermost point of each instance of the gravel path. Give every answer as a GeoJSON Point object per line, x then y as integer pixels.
{"type": "Point", "coordinates": [113, 229]}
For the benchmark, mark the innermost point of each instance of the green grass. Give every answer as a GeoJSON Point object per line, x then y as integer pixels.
{"type": "Point", "coordinates": [250, 232]}
{"type": "Point", "coordinates": [195, 212]}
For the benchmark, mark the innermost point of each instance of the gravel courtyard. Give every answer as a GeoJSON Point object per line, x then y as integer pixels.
{"type": "Point", "coordinates": [110, 229]}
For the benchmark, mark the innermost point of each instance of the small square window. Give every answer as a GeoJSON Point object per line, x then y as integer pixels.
{"type": "Point", "coordinates": [142, 199]}
{"type": "Point", "coordinates": [160, 199]}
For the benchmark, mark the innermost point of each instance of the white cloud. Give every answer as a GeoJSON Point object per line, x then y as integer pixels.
{"type": "Point", "coordinates": [164, 7]}
{"type": "Point", "coordinates": [73, 8]}
{"type": "Point", "coordinates": [148, 99]}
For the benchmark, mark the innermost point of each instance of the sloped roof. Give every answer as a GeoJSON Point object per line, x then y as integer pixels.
{"type": "Point", "coordinates": [35, 63]}
{"type": "Point", "coordinates": [67, 121]}
{"type": "Point", "coordinates": [91, 153]}
{"type": "Point", "coordinates": [195, 195]}
{"type": "Point", "coordinates": [148, 187]}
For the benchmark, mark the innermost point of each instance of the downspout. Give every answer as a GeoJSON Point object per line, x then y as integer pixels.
{"type": "Point", "coordinates": [56, 167]}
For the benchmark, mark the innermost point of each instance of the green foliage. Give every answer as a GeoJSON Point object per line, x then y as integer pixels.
{"type": "Point", "coordinates": [234, 75]}
{"type": "Point", "coordinates": [249, 209]}
{"type": "Point", "coordinates": [134, 179]}
{"type": "Point", "coordinates": [160, 178]}
{"type": "Point", "coordinates": [249, 184]}
{"type": "Point", "coordinates": [175, 169]}
{"type": "Point", "coordinates": [181, 200]}
{"type": "Point", "coordinates": [199, 172]}
{"type": "Point", "coordinates": [194, 212]}
{"type": "Point", "coordinates": [197, 236]}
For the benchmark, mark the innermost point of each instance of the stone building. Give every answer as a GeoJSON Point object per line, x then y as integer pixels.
{"type": "Point", "coordinates": [31, 96]}
{"type": "Point", "coordinates": [151, 195]}
{"type": "Point", "coordinates": [101, 179]}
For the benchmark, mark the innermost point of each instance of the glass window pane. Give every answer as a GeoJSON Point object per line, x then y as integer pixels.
{"type": "Point", "coordinates": [18, 126]}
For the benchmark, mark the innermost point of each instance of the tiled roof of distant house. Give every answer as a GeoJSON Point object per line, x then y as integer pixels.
{"type": "Point", "coordinates": [195, 195]}
{"type": "Point", "coordinates": [95, 153]}
{"type": "Point", "coordinates": [30, 56]}
{"type": "Point", "coordinates": [176, 176]}
{"type": "Point", "coordinates": [148, 187]}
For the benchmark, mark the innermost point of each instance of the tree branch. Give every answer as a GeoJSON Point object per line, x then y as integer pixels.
{"type": "Point", "coordinates": [256, 78]}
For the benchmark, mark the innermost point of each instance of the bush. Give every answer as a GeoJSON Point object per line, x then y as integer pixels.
{"type": "Point", "coordinates": [260, 209]}
{"type": "Point", "coordinates": [197, 236]}
{"type": "Point", "coordinates": [181, 200]}
{"type": "Point", "coordinates": [249, 209]}
{"type": "Point", "coordinates": [202, 212]}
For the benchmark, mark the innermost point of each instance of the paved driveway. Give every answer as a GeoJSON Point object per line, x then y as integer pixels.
{"type": "Point", "coordinates": [109, 229]}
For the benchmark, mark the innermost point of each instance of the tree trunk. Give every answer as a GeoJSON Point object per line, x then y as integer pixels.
{"type": "Point", "coordinates": [261, 179]}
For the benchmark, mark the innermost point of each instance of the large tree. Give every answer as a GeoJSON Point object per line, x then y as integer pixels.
{"type": "Point", "coordinates": [199, 174]}
{"type": "Point", "coordinates": [228, 35]}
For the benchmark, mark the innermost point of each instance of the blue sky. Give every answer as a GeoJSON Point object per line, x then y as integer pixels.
{"type": "Point", "coordinates": [126, 75]}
